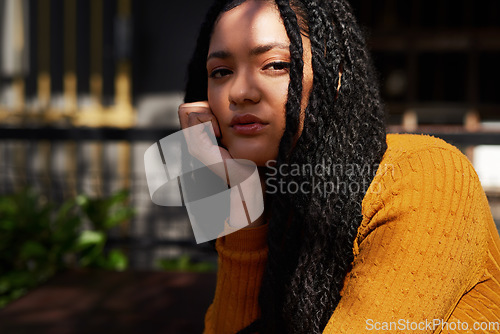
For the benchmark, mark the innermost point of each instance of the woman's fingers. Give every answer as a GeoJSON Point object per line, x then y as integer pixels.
{"type": "Point", "coordinates": [195, 118]}
{"type": "Point", "coordinates": [196, 113]}
{"type": "Point", "coordinates": [199, 143]}
{"type": "Point", "coordinates": [187, 108]}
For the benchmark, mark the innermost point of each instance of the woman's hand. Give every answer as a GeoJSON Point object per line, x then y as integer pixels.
{"type": "Point", "coordinates": [199, 144]}
{"type": "Point", "coordinates": [202, 147]}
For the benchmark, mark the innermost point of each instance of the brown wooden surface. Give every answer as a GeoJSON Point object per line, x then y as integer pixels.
{"type": "Point", "coordinates": [112, 302]}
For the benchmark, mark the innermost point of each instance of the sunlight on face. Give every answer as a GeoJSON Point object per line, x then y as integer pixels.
{"type": "Point", "coordinates": [248, 68]}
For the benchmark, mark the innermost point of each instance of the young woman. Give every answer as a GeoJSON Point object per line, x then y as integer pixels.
{"type": "Point", "coordinates": [397, 237]}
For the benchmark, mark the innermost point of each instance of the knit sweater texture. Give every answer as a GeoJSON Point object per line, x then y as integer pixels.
{"type": "Point", "coordinates": [427, 251]}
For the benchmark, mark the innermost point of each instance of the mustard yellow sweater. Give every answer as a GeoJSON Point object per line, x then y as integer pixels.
{"type": "Point", "coordinates": [426, 260]}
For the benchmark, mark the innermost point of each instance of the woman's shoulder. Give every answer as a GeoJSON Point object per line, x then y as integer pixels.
{"type": "Point", "coordinates": [423, 181]}
{"type": "Point", "coordinates": [416, 165]}
{"type": "Point", "coordinates": [406, 145]}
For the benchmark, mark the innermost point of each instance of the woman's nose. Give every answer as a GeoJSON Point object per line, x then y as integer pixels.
{"type": "Point", "coordinates": [244, 90]}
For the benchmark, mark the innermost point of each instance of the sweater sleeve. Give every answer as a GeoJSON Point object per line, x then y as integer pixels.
{"type": "Point", "coordinates": [419, 249]}
{"type": "Point", "coordinates": [241, 263]}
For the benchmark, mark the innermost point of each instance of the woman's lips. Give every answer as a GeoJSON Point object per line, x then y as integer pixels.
{"type": "Point", "coordinates": [247, 124]}
{"type": "Point", "coordinates": [248, 129]}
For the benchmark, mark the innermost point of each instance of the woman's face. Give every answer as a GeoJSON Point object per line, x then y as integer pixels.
{"type": "Point", "coordinates": [248, 76]}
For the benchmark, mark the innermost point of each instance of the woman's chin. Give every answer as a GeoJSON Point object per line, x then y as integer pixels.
{"type": "Point", "coordinates": [259, 158]}
{"type": "Point", "coordinates": [259, 149]}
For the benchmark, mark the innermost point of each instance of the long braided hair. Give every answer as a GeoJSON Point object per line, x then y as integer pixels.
{"type": "Point", "coordinates": [311, 250]}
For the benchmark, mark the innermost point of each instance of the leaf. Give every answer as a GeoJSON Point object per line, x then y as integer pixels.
{"type": "Point", "coordinates": [82, 200]}
{"type": "Point", "coordinates": [89, 238]}
{"type": "Point", "coordinates": [7, 225]}
{"type": "Point", "coordinates": [119, 197]}
{"type": "Point", "coordinates": [117, 260]}
{"type": "Point", "coordinates": [7, 206]}
{"type": "Point", "coordinates": [118, 217]}
{"type": "Point", "coordinates": [19, 279]}
{"type": "Point", "coordinates": [32, 249]}
{"type": "Point", "coordinates": [184, 263]}
{"type": "Point", "coordinates": [92, 256]}
{"type": "Point", "coordinates": [105, 213]}
{"type": "Point", "coordinates": [168, 265]}
{"type": "Point", "coordinates": [4, 284]}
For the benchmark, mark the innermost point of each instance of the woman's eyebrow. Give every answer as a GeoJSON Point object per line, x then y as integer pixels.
{"type": "Point", "coordinates": [258, 50]}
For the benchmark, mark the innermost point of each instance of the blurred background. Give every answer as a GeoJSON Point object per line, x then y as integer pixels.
{"type": "Point", "coordinates": [86, 86]}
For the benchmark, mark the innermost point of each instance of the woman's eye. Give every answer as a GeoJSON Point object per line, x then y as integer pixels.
{"type": "Point", "coordinates": [278, 66]}
{"type": "Point", "coordinates": [219, 73]}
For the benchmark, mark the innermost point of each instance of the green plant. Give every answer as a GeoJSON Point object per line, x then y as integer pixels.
{"type": "Point", "coordinates": [103, 214]}
{"type": "Point", "coordinates": [184, 263]}
{"type": "Point", "coordinates": [39, 238]}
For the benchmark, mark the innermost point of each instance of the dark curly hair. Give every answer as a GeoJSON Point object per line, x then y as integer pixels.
{"type": "Point", "coordinates": [311, 248]}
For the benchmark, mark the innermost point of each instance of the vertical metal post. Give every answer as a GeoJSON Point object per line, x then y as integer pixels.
{"type": "Point", "coordinates": [96, 51]}
{"type": "Point", "coordinates": [70, 90]}
{"type": "Point", "coordinates": [44, 54]}
{"type": "Point", "coordinates": [96, 17]}
{"type": "Point", "coordinates": [123, 94]}
{"type": "Point", "coordinates": [44, 93]}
